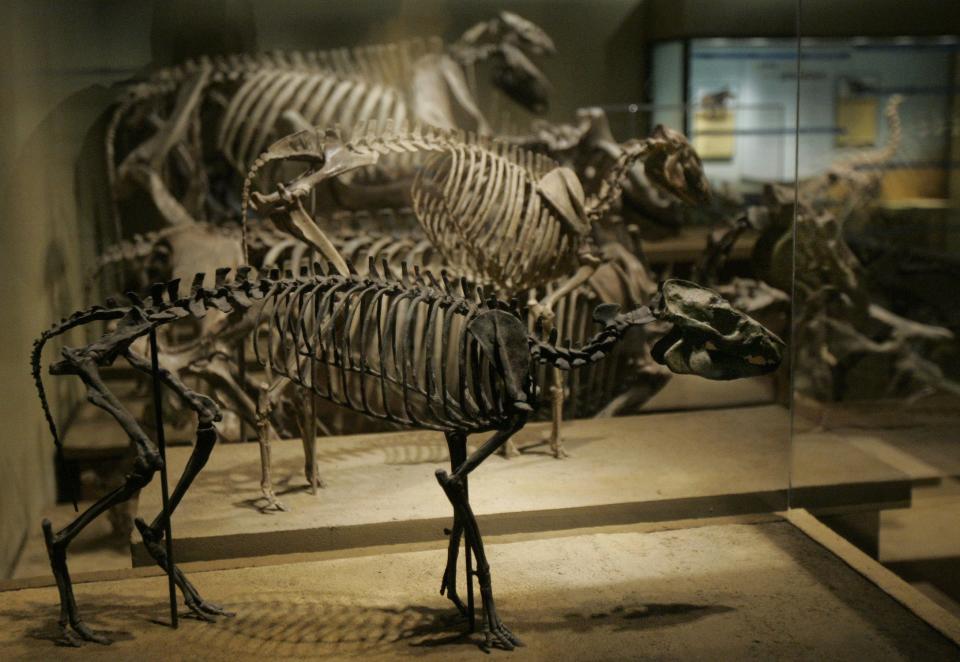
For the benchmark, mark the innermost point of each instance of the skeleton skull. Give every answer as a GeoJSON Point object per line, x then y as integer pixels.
{"type": "Point", "coordinates": [520, 79]}
{"type": "Point", "coordinates": [509, 40]}
{"type": "Point", "coordinates": [709, 337]}
{"type": "Point", "coordinates": [674, 166]}
{"type": "Point", "coordinates": [525, 34]}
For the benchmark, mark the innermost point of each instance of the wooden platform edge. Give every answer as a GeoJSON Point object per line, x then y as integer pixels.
{"type": "Point", "coordinates": [329, 538]}
{"type": "Point", "coordinates": [871, 495]}
{"type": "Point", "coordinates": [873, 571]}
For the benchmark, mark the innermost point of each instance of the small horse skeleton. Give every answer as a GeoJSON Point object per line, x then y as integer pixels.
{"type": "Point", "coordinates": [416, 350]}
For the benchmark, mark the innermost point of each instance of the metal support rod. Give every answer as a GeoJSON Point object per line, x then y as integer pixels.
{"type": "Point", "coordinates": [468, 561]}
{"type": "Point", "coordinates": [164, 486]}
{"type": "Point", "coordinates": [312, 428]}
{"type": "Point", "coordinates": [312, 404]}
{"type": "Point", "coordinates": [242, 378]}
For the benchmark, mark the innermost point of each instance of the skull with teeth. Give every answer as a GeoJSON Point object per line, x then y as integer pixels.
{"type": "Point", "coordinates": [709, 337]}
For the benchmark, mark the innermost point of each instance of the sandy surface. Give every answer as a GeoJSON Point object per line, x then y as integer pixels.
{"type": "Point", "coordinates": [721, 592]}
{"type": "Point", "coordinates": [381, 488]}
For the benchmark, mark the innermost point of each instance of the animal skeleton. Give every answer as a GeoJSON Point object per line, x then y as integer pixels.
{"type": "Point", "coordinates": [589, 148]}
{"type": "Point", "coordinates": [355, 341]}
{"type": "Point", "coordinates": [255, 96]}
{"type": "Point", "coordinates": [509, 218]}
{"type": "Point", "coordinates": [501, 215]}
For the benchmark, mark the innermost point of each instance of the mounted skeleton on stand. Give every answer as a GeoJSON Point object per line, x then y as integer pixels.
{"type": "Point", "coordinates": [418, 351]}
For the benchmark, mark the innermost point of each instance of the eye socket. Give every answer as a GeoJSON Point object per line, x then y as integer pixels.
{"type": "Point", "coordinates": [724, 320]}
{"type": "Point", "coordinates": [659, 349]}
{"type": "Point", "coordinates": [720, 318]}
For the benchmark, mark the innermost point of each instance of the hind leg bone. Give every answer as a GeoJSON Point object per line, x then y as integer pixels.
{"type": "Point", "coordinates": [207, 412]}
{"type": "Point", "coordinates": [147, 462]}
{"type": "Point", "coordinates": [454, 486]}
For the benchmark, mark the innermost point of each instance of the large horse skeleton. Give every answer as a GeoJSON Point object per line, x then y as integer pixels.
{"type": "Point", "coordinates": [257, 98]}
{"type": "Point", "coordinates": [508, 217]}
{"type": "Point", "coordinates": [505, 217]}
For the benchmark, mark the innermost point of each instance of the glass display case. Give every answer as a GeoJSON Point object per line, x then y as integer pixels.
{"type": "Point", "coordinates": [671, 284]}
{"type": "Point", "coordinates": [875, 252]}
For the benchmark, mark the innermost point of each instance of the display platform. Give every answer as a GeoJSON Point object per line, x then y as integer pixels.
{"type": "Point", "coordinates": [729, 592]}
{"type": "Point", "coordinates": [381, 489]}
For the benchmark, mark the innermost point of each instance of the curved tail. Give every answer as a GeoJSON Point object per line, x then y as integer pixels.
{"type": "Point", "coordinates": [891, 113]}
{"type": "Point", "coordinates": [880, 155]}
{"type": "Point", "coordinates": [77, 319]}
{"type": "Point", "coordinates": [38, 382]}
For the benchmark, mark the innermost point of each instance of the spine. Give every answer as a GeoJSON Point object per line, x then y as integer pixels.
{"type": "Point", "coordinates": [78, 319]}
{"type": "Point", "coordinates": [597, 346]}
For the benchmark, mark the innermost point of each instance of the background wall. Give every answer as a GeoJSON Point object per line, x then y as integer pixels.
{"type": "Point", "coordinates": [56, 56]}
{"type": "Point", "coordinates": [762, 78]}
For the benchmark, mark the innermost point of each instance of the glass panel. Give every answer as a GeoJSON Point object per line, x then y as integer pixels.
{"type": "Point", "coordinates": [877, 256]}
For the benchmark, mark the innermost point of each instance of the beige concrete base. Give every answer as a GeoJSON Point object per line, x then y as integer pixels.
{"type": "Point", "coordinates": [711, 593]}
{"type": "Point", "coordinates": [381, 488]}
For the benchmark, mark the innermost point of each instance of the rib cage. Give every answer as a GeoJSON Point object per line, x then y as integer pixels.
{"type": "Point", "coordinates": [401, 354]}
{"type": "Point", "coordinates": [396, 350]}
{"type": "Point", "coordinates": [591, 387]}
{"type": "Point", "coordinates": [342, 86]}
{"type": "Point", "coordinates": [322, 97]}
{"type": "Point", "coordinates": [476, 198]}
{"type": "Point", "coordinates": [483, 212]}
